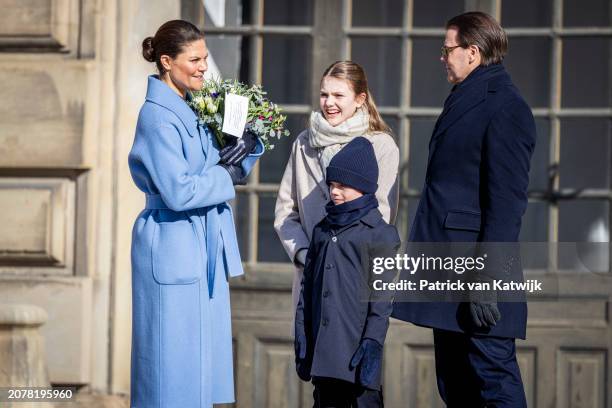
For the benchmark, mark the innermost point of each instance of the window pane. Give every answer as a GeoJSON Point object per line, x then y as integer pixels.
{"type": "Point", "coordinates": [586, 72]}
{"type": "Point", "coordinates": [272, 164]}
{"type": "Point", "coordinates": [538, 174]}
{"type": "Point", "coordinates": [435, 13]}
{"type": "Point", "coordinates": [420, 134]}
{"type": "Point", "coordinates": [228, 13]}
{"type": "Point", "coordinates": [379, 57]}
{"type": "Point", "coordinates": [528, 62]}
{"type": "Point", "coordinates": [586, 13]}
{"type": "Point", "coordinates": [585, 153]}
{"type": "Point", "coordinates": [283, 12]}
{"type": "Point", "coordinates": [379, 13]}
{"type": "Point", "coordinates": [428, 82]}
{"type": "Point", "coordinates": [584, 221]}
{"type": "Point", "coordinates": [269, 248]}
{"type": "Point", "coordinates": [286, 68]}
{"type": "Point", "coordinates": [526, 13]}
{"type": "Point", "coordinates": [394, 123]}
{"type": "Point", "coordinates": [226, 55]}
{"type": "Point", "coordinates": [534, 228]}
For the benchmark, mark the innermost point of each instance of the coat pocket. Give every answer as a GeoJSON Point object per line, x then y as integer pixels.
{"type": "Point", "coordinates": [176, 254]}
{"type": "Point", "coordinates": [462, 220]}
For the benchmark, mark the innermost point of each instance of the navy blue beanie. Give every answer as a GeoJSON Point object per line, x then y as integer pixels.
{"type": "Point", "coordinates": [355, 166]}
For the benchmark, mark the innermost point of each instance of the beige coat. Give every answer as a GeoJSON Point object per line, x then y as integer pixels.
{"type": "Point", "coordinates": [303, 194]}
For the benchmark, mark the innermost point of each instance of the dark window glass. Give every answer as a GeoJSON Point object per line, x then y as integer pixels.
{"type": "Point", "coordinates": [586, 13]}
{"type": "Point", "coordinates": [286, 68]}
{"type": "Point", "coordinates": [394, 123]}
{"type": "Point", "coordinates": [269, 247]}
{"type": "Point", "coordinates": [428, 83]}
{"type": "Point", "coordinates": [526, 13]}
{"type": "Point", "coordinates": [225, 52]}
{"type": "Point", "coordinates": [420, 134]}
{"type": "Point", "coordinates": [534, 227]}
{"type": "Point", "coordinates": [273, 163]}
{"type": "Point", "coordinates": [229, 13]}
{"type": "Point", "coordinates": [585, 153]}
{"type": "Point", "coordinates": [435, 13]}
{"type": "Point", "coordinates": [538, 173]}
{"type": "Point", "coordinates": [528, 62]}
{"type": "Point", "coordinates": [534, 230]}
{"type": "Point", "coordinates": [283, 12]}
{"type": "Point", "coordinates": [380, 13]}
{"type": "Point", "coordinates": [586, 72]}
{"type": "Point", "coordinates": [379, 57]}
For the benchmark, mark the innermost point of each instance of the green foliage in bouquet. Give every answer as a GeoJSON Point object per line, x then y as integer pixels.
{"type": "Point", "coordinates": [264, 117]}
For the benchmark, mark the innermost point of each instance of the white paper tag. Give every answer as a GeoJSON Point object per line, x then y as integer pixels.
{"type": "Point", "coordinates": [235, 116]}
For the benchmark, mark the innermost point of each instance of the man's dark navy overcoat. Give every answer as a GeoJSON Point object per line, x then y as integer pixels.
{"type": "Point", "coordinates": [475, 187]}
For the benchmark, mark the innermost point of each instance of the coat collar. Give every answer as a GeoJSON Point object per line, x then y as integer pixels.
{"type": "Point", "coordinates": [471, 92]}
{"type": "Point", "coordinates": [371, 219]}
{"type": "Point", "coordinates": [160, 94]}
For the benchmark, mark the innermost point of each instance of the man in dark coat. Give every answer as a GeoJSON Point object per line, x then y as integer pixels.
{"type": "Point", "coordinates": [476, 191]}
{"type": "Point", "coordinates": [340, 328]}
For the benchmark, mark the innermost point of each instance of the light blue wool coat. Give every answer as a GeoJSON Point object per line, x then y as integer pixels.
{"type": "Point", "coordinates": [184, 248]}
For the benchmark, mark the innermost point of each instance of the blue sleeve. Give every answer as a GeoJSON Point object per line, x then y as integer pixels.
{"type": "Point", "coordinates": [161, 154]}
{"type": "Point", "coordinates": [249, 162]}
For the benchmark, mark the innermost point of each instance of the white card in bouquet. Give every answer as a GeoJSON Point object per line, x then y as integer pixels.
{"type": "Point", "coordinates": [235, 116]}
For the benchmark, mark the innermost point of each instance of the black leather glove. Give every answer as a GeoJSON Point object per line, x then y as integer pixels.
{"type": "Point", "coordinates": [484, 314]}
{"type": "Point", "coordinates": [238, 148]}
{"type": "Point", "coordinates": [236, 173]}
{"type": "Point", "coordinates": [483, 306]}
{"type": "Point", "coordinates": [369, 359]}
{"type": "Point", "coordinates": [300, 344]}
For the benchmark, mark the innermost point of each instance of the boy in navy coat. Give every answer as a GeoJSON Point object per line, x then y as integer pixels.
{"type": "Point", "coordinates": [339, 333]}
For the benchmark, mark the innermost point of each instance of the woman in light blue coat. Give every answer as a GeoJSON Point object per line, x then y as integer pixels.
{"type": "Point", "coordinates": [184, 245]}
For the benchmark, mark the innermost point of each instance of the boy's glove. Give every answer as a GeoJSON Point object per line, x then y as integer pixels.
{"type": "Point", "coordinates": [369, 359]}
{"type": "Point", "coordinates": [238, 148]}
{"type": "Point", "coordinates": [300, 344]}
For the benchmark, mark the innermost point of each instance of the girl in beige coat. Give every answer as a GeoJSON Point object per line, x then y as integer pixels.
{"type": "Point", "coordinates": [347, 111]}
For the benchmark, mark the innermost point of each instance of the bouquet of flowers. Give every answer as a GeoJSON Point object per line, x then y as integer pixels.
{"type": "Point", "coordinates": [264, 117]}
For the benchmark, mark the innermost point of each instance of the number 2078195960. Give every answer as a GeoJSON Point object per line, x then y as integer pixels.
{"type": "Point", "coordinates": [22, 394]}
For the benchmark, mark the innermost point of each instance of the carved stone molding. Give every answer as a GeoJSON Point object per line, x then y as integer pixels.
{"type": "Point", "coordinates": [37, 218]}
{"type": "Point", "coordinates": [39, 25]}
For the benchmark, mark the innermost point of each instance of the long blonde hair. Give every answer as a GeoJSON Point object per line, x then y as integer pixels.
{"type": "Point", "coordinates": [355, 75]}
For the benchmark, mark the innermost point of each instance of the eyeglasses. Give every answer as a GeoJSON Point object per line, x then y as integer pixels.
{"type": "Point", "coordinates": [447, 50]}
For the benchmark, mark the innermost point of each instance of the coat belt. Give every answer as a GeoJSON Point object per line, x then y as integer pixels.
{"type": "Point", "coordinates": [212, 228]}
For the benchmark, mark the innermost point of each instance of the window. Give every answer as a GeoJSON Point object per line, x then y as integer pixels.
{"type": "Point", "coordinates": [559, 57]}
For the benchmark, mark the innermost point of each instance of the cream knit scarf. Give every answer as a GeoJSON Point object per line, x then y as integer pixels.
{"type": "Point", "coordinates": [328, 139]}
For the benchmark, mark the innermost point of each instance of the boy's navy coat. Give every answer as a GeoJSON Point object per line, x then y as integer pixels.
{"type": "Point", "coordinates": [332, 305]}
{"type": "Point", "coordinates": [476, 186]}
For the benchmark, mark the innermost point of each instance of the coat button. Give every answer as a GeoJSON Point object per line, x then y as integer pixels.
{"type": "Point", "coordinates": [325, 322]}
{"type": "Point", "coordinates": [334, 239]}
{"type": "Point", "coordinates": [326, 293]}
{"type": "Point", "coordinates": [328, 266]}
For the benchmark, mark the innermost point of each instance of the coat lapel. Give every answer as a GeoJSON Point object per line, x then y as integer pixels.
{"type": "Point", "coordinates": [468, 99]}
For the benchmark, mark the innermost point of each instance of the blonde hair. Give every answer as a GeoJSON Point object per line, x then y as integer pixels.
{"type": "Point", "coordinates": [355, 75]}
